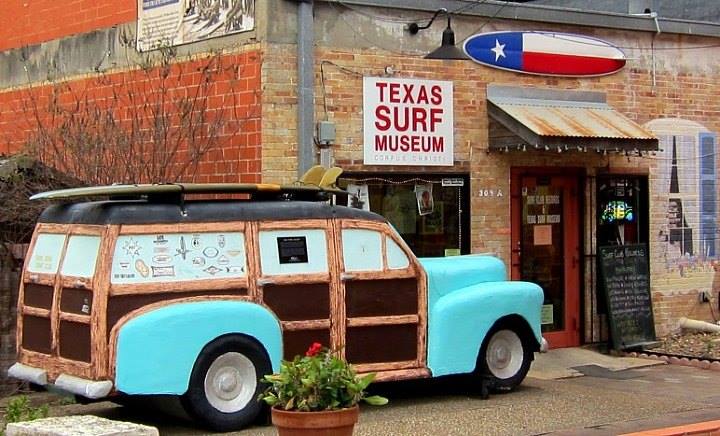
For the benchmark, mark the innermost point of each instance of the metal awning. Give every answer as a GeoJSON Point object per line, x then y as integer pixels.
{"type": "Point", "coordinates": [549, 119]}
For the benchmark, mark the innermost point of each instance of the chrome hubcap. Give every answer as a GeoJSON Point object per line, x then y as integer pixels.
{"type": "Point", "coordinates": [504, 356]}
{"type": "Point", "coordinates": [230, 382]}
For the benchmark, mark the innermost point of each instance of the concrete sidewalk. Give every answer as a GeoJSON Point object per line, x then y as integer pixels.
{"type": "Point", "coordinates": [563, 363]}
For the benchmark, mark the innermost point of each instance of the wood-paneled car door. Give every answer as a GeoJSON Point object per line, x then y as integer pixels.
{"type": "Point", "coordinates": [61, 297]}
{"type": "Point", "coordinates": [384, 292]}
{"type": "Point", "coordinates": [294, 281]}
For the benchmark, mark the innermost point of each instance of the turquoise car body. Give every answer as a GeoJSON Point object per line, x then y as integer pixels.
{"type": "Point", "coordinates": [467, 295]}
{"type": "Point", "coordinates": [149, 360]}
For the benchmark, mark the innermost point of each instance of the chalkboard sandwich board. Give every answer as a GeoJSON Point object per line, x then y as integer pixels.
{"type": "Point", "coordinates": [625, 278]}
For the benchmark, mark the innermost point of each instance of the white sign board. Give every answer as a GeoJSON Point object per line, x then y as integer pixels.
{"type": "Point", "coordinates": [407, 121]}
{"type": "Point", "coordinates": [163, 23]}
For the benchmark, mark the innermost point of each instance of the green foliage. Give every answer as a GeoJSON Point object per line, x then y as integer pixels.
{"type": "Point", "coordinates": [320, 380]}
{"type": "Point", "coordinates": [19, 409]}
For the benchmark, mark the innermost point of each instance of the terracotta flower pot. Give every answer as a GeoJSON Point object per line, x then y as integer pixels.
{"type": "Point", "coordinates": [326, 423]}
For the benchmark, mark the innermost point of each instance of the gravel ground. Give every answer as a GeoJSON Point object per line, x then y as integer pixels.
{"type": "Point", "coordinates": [700, 345]}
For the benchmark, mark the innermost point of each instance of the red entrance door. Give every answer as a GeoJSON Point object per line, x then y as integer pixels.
{"type": "Point", "coordinates": [546, 247]}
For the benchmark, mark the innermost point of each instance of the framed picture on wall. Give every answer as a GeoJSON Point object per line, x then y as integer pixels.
{"type": "Point", "coordinates": [432, 224]}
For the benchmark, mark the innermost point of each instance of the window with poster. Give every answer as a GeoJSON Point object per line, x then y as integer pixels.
{"type": "Point", "coordinates": [431, 212]}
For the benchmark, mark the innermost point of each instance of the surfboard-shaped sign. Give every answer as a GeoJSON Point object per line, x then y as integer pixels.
{"type": "Point", "coordinates": [545, 53]}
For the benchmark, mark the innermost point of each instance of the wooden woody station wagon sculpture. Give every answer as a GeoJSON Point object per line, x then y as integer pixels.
{"type": "Point", "coordinates": [151, 292]}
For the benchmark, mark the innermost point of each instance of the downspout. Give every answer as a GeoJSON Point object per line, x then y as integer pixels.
{"type": "Point", "coordinates": [305, 90]}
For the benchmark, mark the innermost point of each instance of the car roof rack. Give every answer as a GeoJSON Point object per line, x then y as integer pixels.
{"type": "Point", "coordinates": [318, 184]}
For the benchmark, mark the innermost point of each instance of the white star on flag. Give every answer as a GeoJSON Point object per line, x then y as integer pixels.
{"type": "Point", "coordinates": [499, 50]}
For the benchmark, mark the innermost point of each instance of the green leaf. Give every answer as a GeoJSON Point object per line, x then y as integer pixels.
{"type": "Point", "coordinates": [270, 400]}
{"type": "Point", "coordinates": [376, 400]}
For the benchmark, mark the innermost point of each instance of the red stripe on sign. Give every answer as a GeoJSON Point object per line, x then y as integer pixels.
{"type": "Point", "coordinates": [551, 63]}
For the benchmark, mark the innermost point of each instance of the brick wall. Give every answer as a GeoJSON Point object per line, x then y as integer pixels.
{"type": "Point", "coordinates": [676, 92]}
{"type": "Point", "coordinates": [234, 94]}
{"type": "Point", "coordinates": [28, 22]}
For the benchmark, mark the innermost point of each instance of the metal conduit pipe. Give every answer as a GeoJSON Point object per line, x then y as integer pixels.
{"type": "Point", "coordinates": [305, 90]}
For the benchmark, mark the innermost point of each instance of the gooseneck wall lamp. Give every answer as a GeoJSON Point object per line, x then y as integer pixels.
{"type": "Point", "coordinates": [447, 49]}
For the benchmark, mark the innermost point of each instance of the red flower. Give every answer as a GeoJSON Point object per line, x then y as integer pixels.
{"type": "Point", "coordinates": [314, 349]}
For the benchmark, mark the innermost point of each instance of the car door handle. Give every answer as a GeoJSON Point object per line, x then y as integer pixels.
{"type": "Point", "coordinates": [264, 282]}
{"type": "Point", "coordinates": [346, 276]}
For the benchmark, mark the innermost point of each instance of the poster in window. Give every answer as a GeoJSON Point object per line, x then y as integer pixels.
{"type": "Point", "coordinates": [164, 23]}
{"type": "Point", "coordinates": [424, 199]}
{"type": "Point", "coordinates": [359, 196]}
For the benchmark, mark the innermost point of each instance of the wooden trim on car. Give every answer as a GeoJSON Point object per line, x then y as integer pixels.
{"type": "Point", "coordinates": [208, 284]}
{"type": "Point", "coordinates": [252, 250]}
{"type": "Point", "coordinates": [382, 320]}
{"type": "Point", "coordinates": [336, 288]}
{"type": "Point", "coordinates": [401, 374]}
{"type": "Point", "coordinates": [98, 312]}
{"type": "Point", "coordinates": [317, 224]}
{"type": "Point", "coordinates": [57, 295]}
{"type": "Point", "coordinates": [150, 229]}
{"type": "Point", "coordinates": [56, 365]}
{"type": "Point", "coordinates": [384, 366]}
{"type": "Point", "coordinates": [313, 324]}
{"type": "Point", "coordinates": [74, 317]}
{"type": "Point", "coordinates": [35, 311]}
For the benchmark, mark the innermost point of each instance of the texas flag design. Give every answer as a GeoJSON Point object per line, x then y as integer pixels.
{"type": "Point", "coordinates": [546, 53]}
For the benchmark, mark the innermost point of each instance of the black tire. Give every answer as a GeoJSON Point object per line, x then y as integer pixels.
{"type": "Point", "coordinates": [505, 358]}
{"type": "Point", "coordinates": [231, 402]}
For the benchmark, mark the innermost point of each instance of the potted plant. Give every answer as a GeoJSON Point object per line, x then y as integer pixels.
{"type": "Point", "coordinates": [317, 393]}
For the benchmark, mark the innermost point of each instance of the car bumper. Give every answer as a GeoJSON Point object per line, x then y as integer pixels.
{"type": "Point", "coordinates": [544, 346]}
{"type": "Point", "coordinates": [66, 383]}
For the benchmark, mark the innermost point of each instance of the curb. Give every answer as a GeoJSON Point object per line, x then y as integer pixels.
{"type": "Point", "coordinates": [683, 361]}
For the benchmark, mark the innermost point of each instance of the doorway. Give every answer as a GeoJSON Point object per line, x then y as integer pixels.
{"type": "Point", "coordinates": [546, 220]}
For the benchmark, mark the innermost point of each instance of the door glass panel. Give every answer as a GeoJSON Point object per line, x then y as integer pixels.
{"type": "Point", "coordinates": [81, 256]}
{"type": "Point", "coordinates": [285, 252]}
{"type": "Point", "coordinates": [396, 258]}
{"type": "Point", "coordinates": [46, 254]}
{"type": "Point", "coordinates": [362, 250]}
{"type": "Point", "coordinates": [542, 248]}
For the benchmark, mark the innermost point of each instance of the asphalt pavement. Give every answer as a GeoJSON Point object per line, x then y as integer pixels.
{"type": "Point", "coordinates": [601, 396]}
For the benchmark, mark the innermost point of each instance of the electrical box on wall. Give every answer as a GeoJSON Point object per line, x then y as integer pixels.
{"type": "Point", "coordinates": [325, 132]}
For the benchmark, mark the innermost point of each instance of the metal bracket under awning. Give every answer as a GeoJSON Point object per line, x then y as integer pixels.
{"type": "Point", "coordinates": [561, 120]}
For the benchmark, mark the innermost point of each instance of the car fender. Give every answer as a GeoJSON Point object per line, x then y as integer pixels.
{"type": "Point", "coordinates": [156, 350]}
{"type": "Point", "coordinates": [459, 321]}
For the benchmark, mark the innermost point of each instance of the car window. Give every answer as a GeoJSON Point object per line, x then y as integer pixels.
{"type": "Point", "coordinates": [362, 250]}
{"type": "Point", "coordinates": [302, 251]}
{"type": "Point", "coordinates": [396, 257]}
{"type": "Point", "coordinates": [81, 256]}
{"type": "Point", "coordinates": [178, 257]}
{"type": "Point", "coordinates": [45, 257]}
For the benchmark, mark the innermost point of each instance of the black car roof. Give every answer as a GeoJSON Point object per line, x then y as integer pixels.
{"type": "Point", "coordinates": [197, 211]}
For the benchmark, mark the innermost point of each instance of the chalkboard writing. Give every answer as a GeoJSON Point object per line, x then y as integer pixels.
{"type": "Point", "coordinates": [624, 275]}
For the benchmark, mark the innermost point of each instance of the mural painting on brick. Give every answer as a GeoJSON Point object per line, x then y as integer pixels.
{"type": "Point", "coordinates": [687, 254]}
